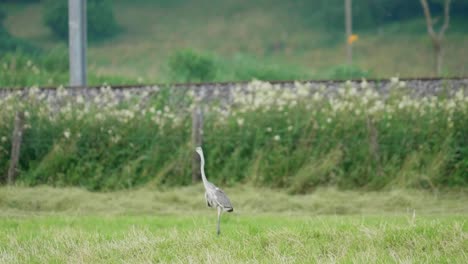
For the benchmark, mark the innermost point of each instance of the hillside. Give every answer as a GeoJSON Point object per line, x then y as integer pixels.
{"type": "Point", "coordinates": [240, 32]}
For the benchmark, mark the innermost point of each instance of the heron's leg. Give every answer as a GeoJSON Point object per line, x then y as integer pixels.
{"type": "Point", "coordinates": [219, 216]}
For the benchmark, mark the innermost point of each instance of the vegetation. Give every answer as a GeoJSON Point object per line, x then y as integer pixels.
{"type": "Point", "coordinates": [46, 68]}
{"type": "Point", "coordinates": [72, 225]}
{"type": "Point", "coordinates": [369, 14]}
{"type": "Point", "coordinates": [184, 239]}
{"type": "Point", "coordinates": [190, 66]}
{"type": "Point", "coordinates": [258, 39]}
{"type": "Point", "coordinates": [151, 199]}
{"type": "Point", "coordinates": [193, 66]}
{"type": "Point", "coordinates": [120, 141]}
{"type": "Point", "coordinates": [9, 43]}
{"type": "Point", "coordinates": [100, 16]}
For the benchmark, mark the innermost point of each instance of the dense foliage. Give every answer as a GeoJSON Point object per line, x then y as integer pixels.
{"type": "Point", "coordinates": [10, 43]}
{"type": "Point", "coordinates": [189, 66]}
{"type": "Point", "coordinates": [371, 13]}
{"type": "Point", "coordinates": [100, 16]}
{"type": "Point", "coordinates": [296, 139]}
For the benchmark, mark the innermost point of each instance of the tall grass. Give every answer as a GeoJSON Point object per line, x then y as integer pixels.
{"type": "Point", "coordinates": [296, 138]}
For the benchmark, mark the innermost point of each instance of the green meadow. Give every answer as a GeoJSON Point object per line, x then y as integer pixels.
{"type": "Point", "coordinates": [49, 225]}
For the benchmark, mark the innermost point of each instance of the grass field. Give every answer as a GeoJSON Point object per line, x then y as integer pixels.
{"type": "Point", "coordinates": [47, 225]}
{"type": "Point", "coordinates": [258, 30]}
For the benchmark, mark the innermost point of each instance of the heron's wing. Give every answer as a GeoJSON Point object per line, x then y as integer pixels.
{"type": "Point", "coordinates": [207, 200]}
{"type": "Point", "coordinates": [223, 200]}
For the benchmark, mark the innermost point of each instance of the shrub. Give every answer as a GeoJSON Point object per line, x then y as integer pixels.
{"type": "Point", "coordinates": [10, 43]}
{"type": "Point", "coordinates": [101, 22]}
{"type": "Point", "coordinates": [189, 66]}
{"type": "Point", "coordinates": [296, 138]}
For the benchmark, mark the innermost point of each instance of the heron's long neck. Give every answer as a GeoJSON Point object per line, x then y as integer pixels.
{"type": "Point", "coordinates": [202, 169]}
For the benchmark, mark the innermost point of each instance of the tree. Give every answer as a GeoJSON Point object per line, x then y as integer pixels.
{"type": "Point", "coordinates": [349, 31]}
{"type": "Point", "coordinates": [437, 37]}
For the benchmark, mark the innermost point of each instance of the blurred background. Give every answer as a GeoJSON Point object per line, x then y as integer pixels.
{"type": "Point", "coordinates": [144, 41]}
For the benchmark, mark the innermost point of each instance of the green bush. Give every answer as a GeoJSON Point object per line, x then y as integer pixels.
{"type": "Point", "coordinates": [190, 66]}
{"type": "Point", "coordinates": [101, 22]}
{"type": "Point", "coordinates": [288, 138]}
{"type": "Point", "coordinates": [10, 43]}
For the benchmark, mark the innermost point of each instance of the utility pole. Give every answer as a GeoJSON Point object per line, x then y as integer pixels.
{"type": "Point", "coordinates": [77, 41]}
{"type": "Point", "coordinates": [349, 32]}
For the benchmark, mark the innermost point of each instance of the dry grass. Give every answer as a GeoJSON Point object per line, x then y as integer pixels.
{"type": "Point", "coordinates": [247, 200]}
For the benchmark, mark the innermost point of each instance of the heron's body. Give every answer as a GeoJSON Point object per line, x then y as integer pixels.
{"type": "Point", "coordinates": [215, 197]}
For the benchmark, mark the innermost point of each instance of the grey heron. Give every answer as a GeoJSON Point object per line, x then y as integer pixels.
{"type": "Point", "coordinates": [215, 197]}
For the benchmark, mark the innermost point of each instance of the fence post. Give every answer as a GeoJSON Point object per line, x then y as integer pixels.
{"type": "Point", "coordinates": [16, 146]}
{"type": "Point", "coordinates": [197, 138]}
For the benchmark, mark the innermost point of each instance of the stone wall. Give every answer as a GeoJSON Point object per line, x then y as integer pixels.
{"type": "Point", "coordinates": [224, 91]}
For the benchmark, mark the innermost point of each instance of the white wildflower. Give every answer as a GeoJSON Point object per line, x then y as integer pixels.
{"type": "Point", "coordinates": [240, 121]}
{"type": "Point", "coordinates": [67, 134]}
{"type": "Point", "coordinates": [364, 84]}
{"type": "Point", "coordinates": [80, 99]}
{"type": "Point", "coordinates": [126, 95]}
{"type": "Point", "coordinates": [115, 139]}
{"type": "Point", "coordinates": [268, 129]}
{"type": "Point", "coordinates": [401, 105]}
{"type": "Point", "coordinates": [290, 128]}
{"type": "Point", "coordinates": [317, 97]}
{"type": "Point", "coordinates": [277, 137]}
{"type": "Point", "coordinates": [459, 95]}
{"type": "Point", "coordinates": [4, 139]}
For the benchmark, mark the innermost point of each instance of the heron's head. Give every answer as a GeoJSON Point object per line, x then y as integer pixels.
{"type": "Point", "coordinates": [199, 151]}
